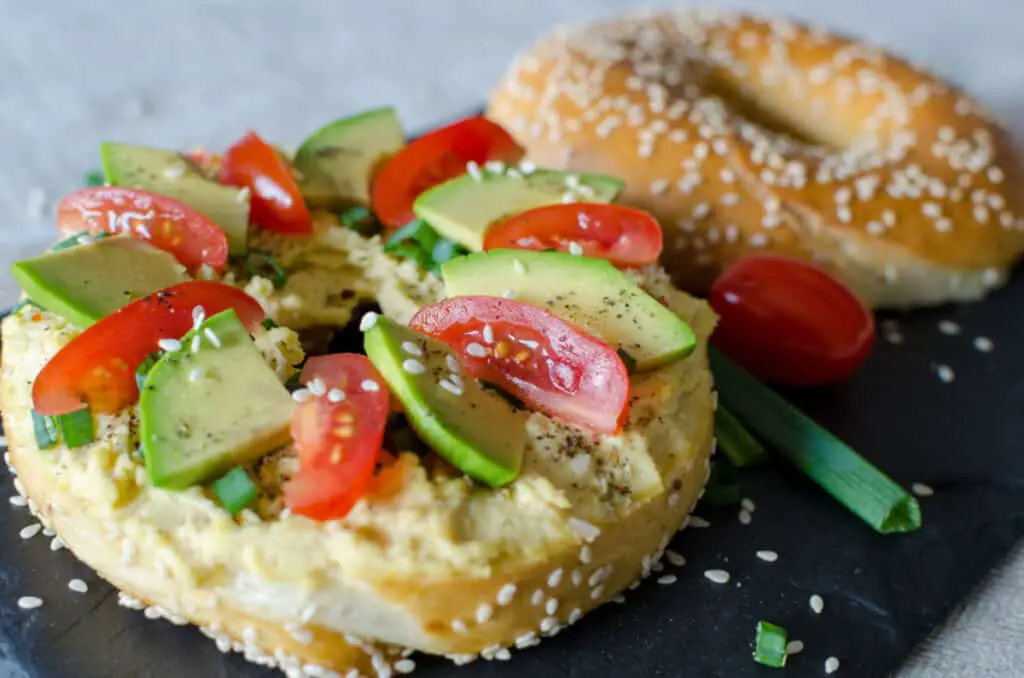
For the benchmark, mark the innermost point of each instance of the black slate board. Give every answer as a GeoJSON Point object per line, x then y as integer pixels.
{"type": "Point", "coordinates": [883, 594]}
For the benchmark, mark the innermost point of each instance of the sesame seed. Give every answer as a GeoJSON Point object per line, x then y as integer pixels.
{"type": "Point", "coordinates": [945, 373]}
{"type": "Point", "coordinates": [794, 647]}
{"type": "Point", "coordinates": [527, 167]}
{"type": "Point", "coordinates": [30, 602]}
{"type": "Point", "coordinates": [502, 655]}
{"type": "Point", "coordinates": [197, 341]}
{"type": "Point", "coordinates": [508, 294]}
{"type": "Point", "coordinates": [476, 350]}
{"type": "Point", "coordinates": [768, 556]}
{"type": "Point", "coordinates": [673, 499]}
{"type": "Point", "coordinates": [368, 320]}
{"type": "Point", "coordinates": [335, 395]}
{"type": "Point", "coordinates": [537, 598]}
{"type": "Point", "coordinates": [922, 490]}
{"type": "Point", "coordinates": [301, 395]}
{"type": "Point", "coordinates": [575, 248]}
{"type": "Point", "coordinates": [575, 615]}
{"type": "Point", "coordinates": [494, 167]}
{"type": "Point", "coordinates": [369, 385]}
{"type": "Point", "coordinates": [412, 348]}
{"type": "Point", "coordinates": [619, 598]}
{"type": "Point", "coordinates": [459, 627]}
{"type": "Point", "coordinates": [675, 558]}
{"type": "Point", "coordinates": [668, 579]}
{"type": "Point", "coordinates": [526, 640]}
{"type": "Point", "coordinates": [243, 195]}
{"type": "Point", "coordinates": [555, 578]}
{"type": "Point", "coordinates": [697, 521]}
{"type": "Point", "coordinates": [78, 586]}
{"type": "Point", "coordinates": [817, 604]}
{"type": "Point", "coordinates": [30, 531]}
{"type": "Point", "coordinates": [597, 592]}
{"type": "Point", "coordinates": [584, 529]}
{"type": "Point", "coordinates": [198, 316]}
{"type": "Point", "coordinates": [169, 345]}
{"type": "Point", "coordinates": [831, 665]}
{"type": "Point", "coordinates": [585, 555]}
{"type": "Point", "coordinates": [506, 594]}
{"type": "Point", "coordinates": [747, 504]}
{"type": "Point", "coordinates": [745, 517]}
{"type": "Point", "coordinates": [717, 576]}
{"type": "Point", "coordinates": [983, 344]}
{"type": "Point", "coordinates": [484, 613]}
{"type": "Point", "coordinates": [451, 387]}
{"type": "Point", "coordinates": [473, 170]}
{"type": "Point", "coordinates": [18, 500]}
{"type": "Point", "coordinates": [317, 387]}
{"type": "Point", "coordinates": [405, 666]}
{"type": "Point", "coordinates": [548, 624]}
{"type": "Point", "coordinates": [576, 577]}
{"type": "Point", "coordinates": [212, 337]}
{"type": "Point", "coordinates": [196, 373]}
{"type": "Point", "coordinates": [949, 327]}
{"type": "Point", "coordinates": [56, 544]}
{"type": "Point", "coordinates": [452, 363]}
{"type": "Point", "coordinates": [551, 607]}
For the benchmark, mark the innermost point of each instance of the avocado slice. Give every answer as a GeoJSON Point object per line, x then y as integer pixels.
{"type": "Point", "coordinates": [476, 430]}
{"type": "Point", "coordinates": [463, 208]}
{"type": "Point", "coordinates": [337, 161]}
{"type": "Point", "coordinates": [203, 412]}
{"type": "Point", "coordinates": [589, 292]}
{"type": "Point", "coordinates": [87, 282]}
{"type": "Point", "coordinates": [170, 173]}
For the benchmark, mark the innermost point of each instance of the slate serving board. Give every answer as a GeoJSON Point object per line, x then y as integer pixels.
{"type": "Point", "coordinates": [883, 594]}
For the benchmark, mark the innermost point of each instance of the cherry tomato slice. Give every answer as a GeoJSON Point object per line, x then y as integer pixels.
{"type": "Point", "coordinates": [163, 222]}
{"type": "Point", "coordinates": [624, 236]}
{"type": "Point", "coordinates": [277, 204]}
{"type": "Point", "coordinates": [435, 158]}
{"type": "Point", "coordinates": [549, 364]}
{"type": "Point", "coordinates": [98, 366]}
{"type": "Point", "coordinates": [790, 322]}
{"type": "Point", "coordinates": [338, 440]}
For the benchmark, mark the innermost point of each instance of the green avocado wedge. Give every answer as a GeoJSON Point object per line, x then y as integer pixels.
{"type": "Point", "coordinates": [588, 292]}
{"type": "Point", "coordinates": [86, 282]}
{"type": "Point", "coordinates": [202, 413]}
{"type": "Point", "coordinates": [479, 432]}
{"type": "Point", "coordinates": [337, 162]}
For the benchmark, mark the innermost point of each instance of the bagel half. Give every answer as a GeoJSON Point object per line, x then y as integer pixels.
{"type": "Point", "coordinates": [746, 135]}
{"type": "Point", "coordinates": [442, 566]}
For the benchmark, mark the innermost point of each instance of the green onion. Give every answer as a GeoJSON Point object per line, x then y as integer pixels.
{"type": "Point", "coordinates": [834, 465]}
{"type": "Point", "coordinates": [22, 304]}
{"type": "Point", "coordinates": [235, 490]}
{"type": "Point", "coordinates": [264, 264]}
{"type": "Point", "coordinates": [94, 178]}
{"type": "Point", "coordinates": [723, 486]}
{"type": "Point", "coordinates": [409, 249]}
{"type": "Point", "coordinates": [269, 324]}
{"type": "Point", "coordinates": [770, 645]}
{"type": "Point", "coordinates": [360, 220]}
{"type": "Point", "coordinates": [627, 360]}
{"type": "Point", "coordinates": [417, 230]}
{"type": "Point", "coordinates": [739, 446]}
{"type": "Point", "coordinates": [76, 427]}
{"type": "Point", "coordinates": [142, 371]}
{"type": "Point", "coordinates": [76, 240]}
{"type": "Point", "coordinates": [45, 430]}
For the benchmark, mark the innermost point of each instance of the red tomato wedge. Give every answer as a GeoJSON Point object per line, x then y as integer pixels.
{"type": "Point", "coordinates": [277, 204]}
{"type": "Point", "coordinates": [163, 222]}
{"type": "Point", "coordinates": [624, 236]}
{"type": "Point", "coordinates": [790, 322]}
{"type": "Point", "coordinates": [98, 366]}
{"type": "Point", "coordinates": [435, 158]}
{"type": "Point", "coordinates": [549, 364]}
{"type": "Point", "coordinates": [338, 435]}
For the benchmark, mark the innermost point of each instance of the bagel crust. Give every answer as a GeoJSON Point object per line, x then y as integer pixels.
{"type": "Point", "coordinates": [745, 135]}
{"type": "Point", "coordinates": [442, 565]}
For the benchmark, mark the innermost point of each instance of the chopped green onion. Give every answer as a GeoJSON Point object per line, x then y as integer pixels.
{"type": "Point", "coordinates": [235, 490]}
{"type": "Point", "coordinates": [77, 427]}
{"type": "Point", "coordinates": [22, 304]}
{"type": "Point", "coordinates": [627, 360]}
{"type": "Point", "coordinates": [94, 178]}
{"type": "Point", "coordinates": [264, 264]}
{"type": "Point", "coordinates": [417, 230]}
{"type": "Point", "coordinates": [723, 486]}
{"type": "Point", "coordinates": [45, 429]}
{"type": "Point", "coordinates": [835, 466]}
{"type": "Point", "coordinates": [735, 441]}
{"type": "Point", "coordinates": [361, 220]}
{"type": "Point", "coordinates": [142, 371]}
{"type": "Point", "coordinates": [410, 249]}
{"type": "Point", "coordinates": [770, 645]}
{"type": "Point", "coordinates": [77, 239]}
{"type": "Point", "coordinates": [269, 324]}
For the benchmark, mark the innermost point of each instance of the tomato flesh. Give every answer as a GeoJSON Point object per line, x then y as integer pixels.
{"type": "Point", "coordinates": [435, 158]}
{"type": "Point", "coordinates": [790, 322]}
{"type": "Point", "coordinates": [163, 222]}
{"type": "Point", "coordinates": [277, 204]}
{"type": "Point", "coordinates": [624, 236]}
{"type": "Point", "coordinates": [544, 361]}
{"type": "Point", "coordinates": [338, 441]}
{"type": "Point", "coordinates": [98, 366]}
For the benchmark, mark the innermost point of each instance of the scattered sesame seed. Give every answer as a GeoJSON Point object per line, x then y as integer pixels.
{"type": "Point", "coordinates": [597, 592]}
{"type": "Point", "coordinates": [922, 490]}
{"type": "Point", "coordinates": [717, 576]}
{"type": "Point", "coordinates": [508, 294]}
{"type": "Point", "coordinates": [745, 517]}
{"type": "Point", "coordinates": [476, 350]}
{"type": "Point", "coordinates": [56, 544]}
{"type": "Point", "coordinates": [548, 624]}
{"type": "Point", "coordinates": [459, 627]}
{"type": "Point", "coordinates": [197, 341]}
{"type": "Point", "coordinates": [169, 345]}
{"type": "Point", "coordinates": [473, 170]}
{"type": "Point", "coordinates": [452, 363]}
{"type": "Point", "coordinates": [555, 578]}
{"type": "Point", "coordinates": [817, 604]}
{"type": "Point", "coordinates": [794, 647]}
{"type": "Point", "coordinates": [575, 615]}
{"type": "Point", "coordinates": [619, 598]}
{"type": "Point", "coordinates": [484, 613]}
{"type": "Point", "coordinates": [196, 374]}
{"type": "Point", "coordinates": [747, 504]}
{"type": "Point", "coordinates": [301, 395]}
{"type": "Point", "coordinates": [518, 267]}
{"type": "Point", "coordinates": [30, 602]}
{"type": "Point", "coordinates": [575, 248]}
{"type": "Point", "coordinates": [831, 665]}
{"type": "Point", "coordinates": [506, 594]}
{"type": "Point", "coordinates": [527, 167]}
{"type": "Point", "coordinates": [335, 395]}
{"type": "Point", "coordinates": [198, 316]}
{"type": "Point", "coordinates": [78, 586]}
{"type": "Point", "coordinates": [551, 607]}
{"type": "Point", "coordinates": [211, 337]}
{"type": "Point", "coordinates": [697, 521]}
{"type": "Point", "coordinates": [412, 348]}
{"type": "Point", "coordinates": [673, 499]}
{"type": "Point", "coordinates": [983, 344]}
{"type": "Point", "coordinates": [451, 387]}
{"type": "Point", "coordinates": [494, 167]}
{"type": "Point", "coordinates": [576, 577]}
{"type": "Point", "coordinates": [587, 531]}
{"type": "Point", "coordinates": [30, 531]}
{"type": "Point", "coordinates": [675, 558]}
{"type": "Point", "coordinates": [502, 655]}
{"type": "Point", "coordinates": [668, 579]}
{"type": "Point", "coordinates": [537, 598]}
{"type": "Point", "coordinates": [368, 320]}
{"type": "Point", "coordinates": [369, 385]}
{"type": "Point", "coordinates": [18, 500]}
{"type": "Point", "coordinates": [945, 373]}
{"type": "Point", "coordinates": [768, 556]}
{"type": "Point", "coordinates": [405, 666]}
{"type": "Point", "coordinates": [585, 555]}
{"type": "Point", "coordinates": [527, 640]}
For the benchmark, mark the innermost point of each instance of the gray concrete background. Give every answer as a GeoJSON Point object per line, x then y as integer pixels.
{"type": "Point", "coordinates": [177, 74]}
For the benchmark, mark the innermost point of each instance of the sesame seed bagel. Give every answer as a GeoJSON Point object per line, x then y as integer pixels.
{"type": "Point", "coordinates": [440, 565]}
{"type": "Point", "coordinates": [745, 135]}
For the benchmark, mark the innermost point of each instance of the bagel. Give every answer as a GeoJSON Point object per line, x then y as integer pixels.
{"type": "Point", "coordinates": [442, 566]}
{"type": "Point", "coordinates": [746, 135]}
